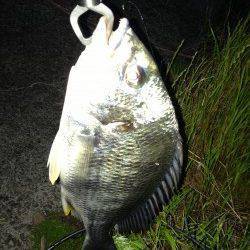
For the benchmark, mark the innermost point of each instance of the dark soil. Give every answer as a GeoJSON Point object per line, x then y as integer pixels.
{"type": "Point", "coordinates": [38, 48]}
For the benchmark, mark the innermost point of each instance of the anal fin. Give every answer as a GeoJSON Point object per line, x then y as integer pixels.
{"type": "Point", "coordinates": [67, 208]}
{"type": "Point", "coordinates": [141, 218]}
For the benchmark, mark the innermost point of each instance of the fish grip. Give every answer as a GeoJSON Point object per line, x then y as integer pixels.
{"type": "Point", "coordinates": [95, 6]}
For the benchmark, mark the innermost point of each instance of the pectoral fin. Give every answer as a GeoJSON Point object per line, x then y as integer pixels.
{"type": "Point", "coordinates": [55, 157]}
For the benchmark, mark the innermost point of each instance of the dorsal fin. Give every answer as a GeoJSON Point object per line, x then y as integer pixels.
{"type": "Point", "coordinates": [141, 219]}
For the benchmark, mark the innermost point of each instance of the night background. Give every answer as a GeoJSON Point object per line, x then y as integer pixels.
{"type": "Point", "coordinates": [38, 48]}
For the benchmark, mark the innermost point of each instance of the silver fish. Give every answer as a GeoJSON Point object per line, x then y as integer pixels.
{"type": "Point", "coordinates": [118, 151]}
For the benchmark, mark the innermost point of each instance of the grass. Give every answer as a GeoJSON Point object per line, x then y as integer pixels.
{"type": "Point", "coordinates": [53, 228]}
{"type": "Point", "coordinates": [211, 210]}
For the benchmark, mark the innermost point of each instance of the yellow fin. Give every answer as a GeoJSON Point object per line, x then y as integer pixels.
{"type": "Point", "coordinates": [67, 208]}
{"type": "Point", "coordinates": [54, 161]}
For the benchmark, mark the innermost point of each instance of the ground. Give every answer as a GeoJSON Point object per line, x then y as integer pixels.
{"type": "Point", "coordinates": [36, 56]}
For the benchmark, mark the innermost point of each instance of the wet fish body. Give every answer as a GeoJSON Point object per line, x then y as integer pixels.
{"type": "Point", "coordinates": [118, 152]}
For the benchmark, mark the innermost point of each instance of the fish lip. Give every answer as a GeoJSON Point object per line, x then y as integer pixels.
{"type": "Point", "coordinates": [115, 122]}
{"type": "Point", "coordinates": [119, 34]}
{"type": "Point", "coordinates": [120, 126]}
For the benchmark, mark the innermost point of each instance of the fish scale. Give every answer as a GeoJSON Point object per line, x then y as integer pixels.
{"type": "Point", "coordinates": [118, 156]}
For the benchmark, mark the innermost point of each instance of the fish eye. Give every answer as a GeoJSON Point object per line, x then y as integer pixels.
{"type": "Point", "coordinates": [134, 75]}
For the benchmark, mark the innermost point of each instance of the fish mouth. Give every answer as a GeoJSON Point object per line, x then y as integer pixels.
{"type": "Point", "coordinates": [118, 35]}
{"type": "Point", "coordinates": [121, 126]}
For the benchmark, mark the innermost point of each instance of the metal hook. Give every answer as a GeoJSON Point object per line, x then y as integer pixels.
{"type": "Point", "coordinates": [96, 6]}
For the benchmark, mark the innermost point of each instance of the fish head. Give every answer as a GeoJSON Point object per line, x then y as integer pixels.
{"type": "Point", "coordinates": [117, 79]}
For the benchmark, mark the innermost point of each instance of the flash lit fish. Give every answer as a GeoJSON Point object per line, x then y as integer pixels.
{"type": "Point", "coordinates": [118, 151]}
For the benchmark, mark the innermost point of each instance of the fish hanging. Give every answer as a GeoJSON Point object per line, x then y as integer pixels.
{"type": "Point", "coordinates": [118, 151]}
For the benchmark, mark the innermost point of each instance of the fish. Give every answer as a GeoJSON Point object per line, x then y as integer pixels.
{"type": "Point", "coordinates": [118, 152]}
